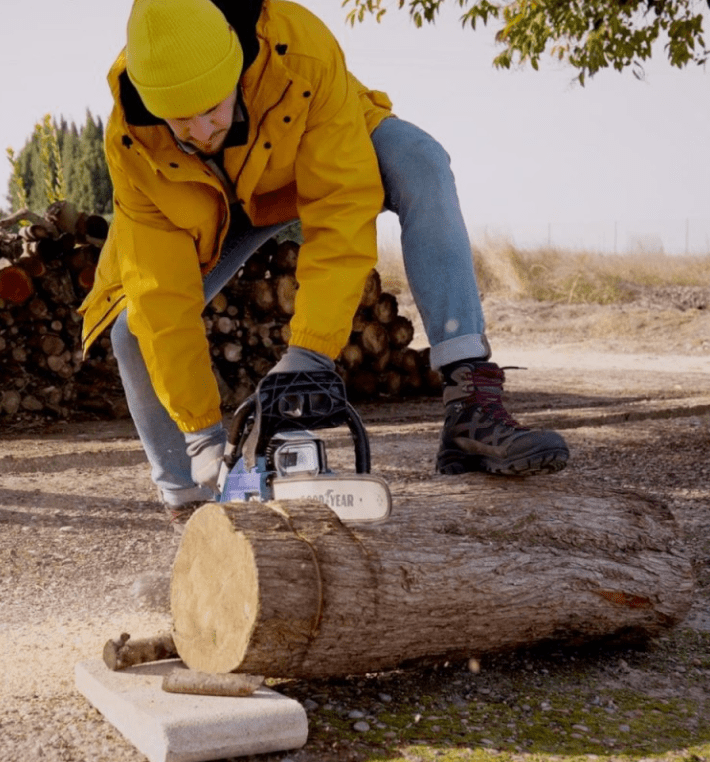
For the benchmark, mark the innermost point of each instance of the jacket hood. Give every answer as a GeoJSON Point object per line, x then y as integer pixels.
{"type": "Point", "coordinates": [241, 14]}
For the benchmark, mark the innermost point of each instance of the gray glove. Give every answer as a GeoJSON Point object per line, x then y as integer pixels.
{"type": "Point", "coordinates": [206, 449]}
{"type": "Point", "coordinates": [298, 360]}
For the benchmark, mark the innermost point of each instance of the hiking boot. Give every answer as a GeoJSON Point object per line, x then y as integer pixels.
{"type": "Point", "coordinates": [480, 435]}
{"type": "Point", "coordinates": [178, 515]}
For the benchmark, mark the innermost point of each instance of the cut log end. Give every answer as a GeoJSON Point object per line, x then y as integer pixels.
{"type": "Point", "coordinates": [15, 285]}
{"type": "Point", "coordinates": [214, 593]}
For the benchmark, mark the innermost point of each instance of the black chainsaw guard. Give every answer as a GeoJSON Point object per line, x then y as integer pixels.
{"type": "Point", "coordinates": [294, 402]}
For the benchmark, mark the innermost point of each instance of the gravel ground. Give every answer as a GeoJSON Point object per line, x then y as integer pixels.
{"type": "Point", "coordinates": [81, 539]}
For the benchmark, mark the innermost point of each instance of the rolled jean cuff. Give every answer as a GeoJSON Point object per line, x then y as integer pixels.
{"type": "Point", "coordinates": [471, 346]}
{"type": "Point", "coordinates": [177, 497]}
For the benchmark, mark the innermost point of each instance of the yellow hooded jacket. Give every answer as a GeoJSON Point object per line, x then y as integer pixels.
{"type": "Point", "coordinates": [308, 155]}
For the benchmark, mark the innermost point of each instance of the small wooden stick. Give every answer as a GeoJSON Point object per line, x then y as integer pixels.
{"type": "Point", "coordinates": [210, 684]}
{"type": "Point", "coordinates": [124, 652]}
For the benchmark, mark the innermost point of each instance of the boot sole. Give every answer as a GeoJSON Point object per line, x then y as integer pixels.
{"type": "Point", "coordinates": [453, 462]}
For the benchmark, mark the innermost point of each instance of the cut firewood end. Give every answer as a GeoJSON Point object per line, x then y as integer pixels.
{"type": "Point", "coordinates": [210, 684]}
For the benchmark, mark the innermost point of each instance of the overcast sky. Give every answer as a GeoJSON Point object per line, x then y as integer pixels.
{"type": "Point", "coordinates": [617, 164]}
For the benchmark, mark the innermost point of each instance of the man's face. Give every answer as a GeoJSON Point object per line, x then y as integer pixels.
{"type": "Point", "coordinates": [206, 131]}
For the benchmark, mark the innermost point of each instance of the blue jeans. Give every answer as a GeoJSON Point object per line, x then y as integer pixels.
{"type": "Point", "coordinates": [420, 189]}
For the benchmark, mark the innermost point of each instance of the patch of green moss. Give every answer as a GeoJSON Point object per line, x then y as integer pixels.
{"type": "Point", "coordinates": [605, 705]}
{"type": "Point", "coordinates": [621, 725]}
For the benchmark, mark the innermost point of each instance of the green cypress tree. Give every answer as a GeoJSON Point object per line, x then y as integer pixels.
{"type": "Point", "coordinates": [17, 194]}
{"type": "Point", "coordinates": [36, 189]}
{"type": "Point", "coordinates": [91, 188]}
{"type": "Point", "coordinates": [83, 192]}
{"type": "Point", "coordinates": [70, 160]}
{"type": "Point", "coordinates": [60, 161]}
{"type": "Point", "coordinates": [102, 178]}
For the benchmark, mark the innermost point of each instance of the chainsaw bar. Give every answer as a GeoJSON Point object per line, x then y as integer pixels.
{"type": "Point", "coordinates": [358, 498]}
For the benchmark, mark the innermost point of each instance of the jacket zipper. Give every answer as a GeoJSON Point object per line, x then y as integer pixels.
{"type": "Point", "coordinates": [98, 325]}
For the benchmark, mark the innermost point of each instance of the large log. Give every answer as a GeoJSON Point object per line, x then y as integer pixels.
{"type": "Point", "coordinates": [459, 571]}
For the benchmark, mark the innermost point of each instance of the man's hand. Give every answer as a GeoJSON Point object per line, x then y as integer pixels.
{"type": "Point", "coordinates": [206, 449]}
{"type": "Point", "coordinates": [300, 360]}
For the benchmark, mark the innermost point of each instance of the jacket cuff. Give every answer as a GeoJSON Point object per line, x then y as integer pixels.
{"type": "Point", "coordinates": [190, 425]}
{"type": "Point", "coordinates": [306, 340]}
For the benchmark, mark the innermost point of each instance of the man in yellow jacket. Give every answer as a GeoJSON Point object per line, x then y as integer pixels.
{"type": "Point", "coordinates": [231, 119]}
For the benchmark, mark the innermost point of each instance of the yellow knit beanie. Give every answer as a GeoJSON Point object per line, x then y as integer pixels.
{"type": "Point", "coordinates": [182, 56]}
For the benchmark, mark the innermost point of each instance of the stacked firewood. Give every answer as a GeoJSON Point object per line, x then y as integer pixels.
{"type": "Point", "coordinates": [47, 268]}
{"type": "Point", "coordinates": [248, 328]}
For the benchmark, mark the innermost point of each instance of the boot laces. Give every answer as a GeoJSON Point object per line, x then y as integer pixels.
{"type": "Point", "coordinates": [484, 389]}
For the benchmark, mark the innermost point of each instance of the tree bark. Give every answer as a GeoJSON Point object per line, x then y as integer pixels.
{"type": "Point", "coordinates": [386, 308]}
{"type": "Point", "coordinates": [461, 569]}
{"type": "Point", "coordinates": [286, 257]}
{"type": "Point", "coordinates": [182, 680]}
{"type": "Point", "coordinates": [372, 290]}
{"type": "Point", "coordinates": [401, 331]}
{"type": "Point", "coordinates": [286, 287]}
{"type": "Point", "coordinates": [374, 339]}
{"type": "Point", "coordinates": [123, 652]}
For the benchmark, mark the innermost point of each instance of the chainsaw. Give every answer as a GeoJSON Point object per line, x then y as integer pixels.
{"type": "Point", "coordinates": [272, 452]}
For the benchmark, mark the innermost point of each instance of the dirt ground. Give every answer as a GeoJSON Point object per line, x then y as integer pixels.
{"type": "Point", "coordinates": [629, 387]}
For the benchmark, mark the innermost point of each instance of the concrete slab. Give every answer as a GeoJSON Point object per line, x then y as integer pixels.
{"type": "Point", "coordinates": [170, 727]}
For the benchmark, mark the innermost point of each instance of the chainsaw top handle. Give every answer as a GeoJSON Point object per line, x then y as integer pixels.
{"type": "Point", "coordinates": [295, 402]}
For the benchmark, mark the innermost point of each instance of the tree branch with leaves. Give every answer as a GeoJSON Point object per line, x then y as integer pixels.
{"type": "Point", "coordinates": [589, 35]}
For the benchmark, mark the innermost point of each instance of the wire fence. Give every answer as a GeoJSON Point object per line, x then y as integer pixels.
{"type": "Point", "coordinates": [689, 236]}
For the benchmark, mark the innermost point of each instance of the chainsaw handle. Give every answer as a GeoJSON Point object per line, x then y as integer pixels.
{"type": "Point", "coordinates": [237, 431]}
{"type": "Point", "coordinates": [360, 440]}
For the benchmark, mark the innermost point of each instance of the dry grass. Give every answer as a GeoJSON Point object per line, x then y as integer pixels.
{"type": "Point", "coordinates": [562, 276]}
